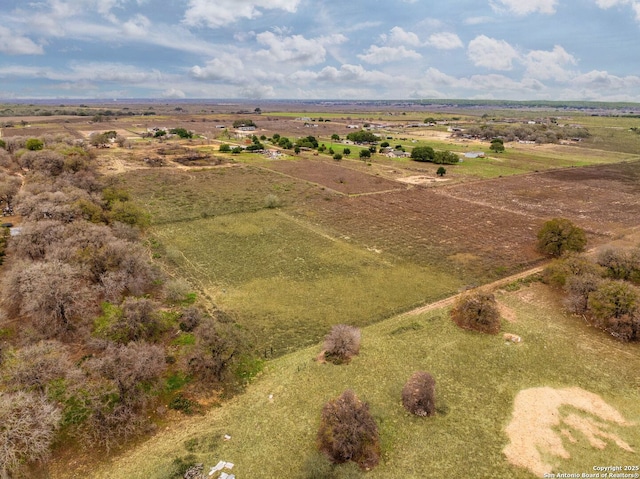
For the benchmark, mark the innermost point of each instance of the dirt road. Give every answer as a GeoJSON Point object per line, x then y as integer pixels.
{"type": "Point", "coordinates": [490, 286]}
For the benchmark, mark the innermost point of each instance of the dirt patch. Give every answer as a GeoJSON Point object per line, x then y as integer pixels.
{"type": "Point", "coordinates": [421, 180]}
{"type": "Point", "coordinates": [537, 414]}
{"type": "Point", "coordinates": [507, 313]}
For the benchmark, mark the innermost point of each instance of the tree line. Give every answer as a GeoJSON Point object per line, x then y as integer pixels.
{"type": "Point", "coordinates": [92, 333]}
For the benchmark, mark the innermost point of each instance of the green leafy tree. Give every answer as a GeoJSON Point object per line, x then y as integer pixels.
{"type": "Point", "coordinates": [364, 154]}
{"type": "Point", "coordinates": [559, 235]}
{"type": "Point", "coordinates": [346, 152]}
{"type": "Point", "coordinates": [335, 137]}
{"type": "Point", "coordinates": [362, 137]}
{"type": "Point", "coordinates": [225, 148]}
{"type": "Point", "coordinates": [423, 153]}
{"type": "Point", "coordinates": [445, 157]}
{"type": "Point", "coordinates": [441, 171]}
{"type": "Point", "coordinates": [181, 132]}
{"type": "Point", "coordinates": [34, 144]}
{"type": "Point", "coordinates": [243, 122]}
{"type": "Point", "coordinates": [497, 145]}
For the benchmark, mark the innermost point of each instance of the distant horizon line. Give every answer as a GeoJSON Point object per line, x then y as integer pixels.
{"type": "Point", "coordinates": [425, 101]}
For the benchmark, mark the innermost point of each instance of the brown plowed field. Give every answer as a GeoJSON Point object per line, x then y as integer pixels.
{"type": "Point", "coordinates": [335, 177]}
{"type": "Point", "coordinates": [428, 228]}
{"type": "Point", "coordinates": [603, 199]}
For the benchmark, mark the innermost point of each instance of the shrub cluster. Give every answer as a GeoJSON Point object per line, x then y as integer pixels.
{"type": "Point", "coordinates": [604, 292]}
{"type": "Point", "coordinates": [477, 311]}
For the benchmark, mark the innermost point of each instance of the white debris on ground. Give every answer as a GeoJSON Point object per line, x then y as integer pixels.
{"type": "Point", "coordinates": [219, 467]}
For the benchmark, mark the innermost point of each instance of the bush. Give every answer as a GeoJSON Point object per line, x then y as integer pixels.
{"type": "Point", "coordinates": [27, 426]}
{"type": "Point", "coordinates": [558, 236]}
{"type": "Point", "coordinates": [348, 432]}
{"type": "Point", "coordinates": [176, 290]}
{"type": "Point", "coordinates": [478, 312]}
{"type": "Point", "coordinates": [613, 299]}
{"type": "Point", "coordinates": [419, 394]}
{"type": "Point", "coordinates": [578, 289]}
{"type": "Point", "coordinates": [626, 327]}
{"type": "Point", "coordinates": [620, 263]}
{"type": "Point", "coordinates": [272, 201]}
{"type": "Point", "coordinates": [559, 271]}
{"type": "Point", "coordinates": [34, 144]}
{"type": "Point", "coordinates": [342, 343]}
{"type": "Point", "coordinates": [218, 346]}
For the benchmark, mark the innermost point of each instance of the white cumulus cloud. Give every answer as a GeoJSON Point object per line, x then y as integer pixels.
{"type": "Point", "coordinates": [296, 48]}
{"type": "Point", "coordinates": [377, 55]}
{"type": "Point", "coordinates": [445, 41]}
{"type": "Point", "coordinates": [491, 53]}
{"type": "Point", "coordinates": [223, 12]}
{"type": "Point", "coordinates": [553, 64]}
{"type": "Point", "coordinates": [399, 36]}
{"type": "Point", "coordinates": [13, 44]}
{"type": "Point", "coordinates": [635, 5]}
{"type": "Point", "coordinates": [524, 7]}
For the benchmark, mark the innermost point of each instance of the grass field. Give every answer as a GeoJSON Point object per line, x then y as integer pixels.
{"type": "Point", "coordinates": [287, 282]}
{"type": "Point", "coordinates": [478, 377]}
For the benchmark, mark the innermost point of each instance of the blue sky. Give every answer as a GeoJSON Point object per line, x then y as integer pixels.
{"type": "Point", "coordinates": [321, 49]}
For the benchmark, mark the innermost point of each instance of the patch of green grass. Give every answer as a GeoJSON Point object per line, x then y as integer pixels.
{"type": "Point", "coordinates": [273, 425]}
{"type": "Point", "coordinates": [184, 339]}
{"type": "Point", "coordinates": [176, 381]}
{"type": "Point", "coordinates": [289, 284]}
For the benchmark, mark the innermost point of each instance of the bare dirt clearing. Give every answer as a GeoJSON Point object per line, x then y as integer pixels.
{"type": "Point", "coordinates": [537, 415]}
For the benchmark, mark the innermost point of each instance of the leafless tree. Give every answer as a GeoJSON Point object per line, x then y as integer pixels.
{"type": "Point", "coordinates": [27, 426]}
{"type": "Point", "coordinates": [54, 295]}
{"type": "Point", "coordinates": [348, 432]}
{"type": "Point", "coordinates": [35, 366]}
{"type": "Point", "coordinates": [342, 343]}
{"type": "Point", "coordinates": [418, 394]}
{"type": "Point", "coordinates": [477, 311]}
{"type": "Point", "coordinates": [9, 187]}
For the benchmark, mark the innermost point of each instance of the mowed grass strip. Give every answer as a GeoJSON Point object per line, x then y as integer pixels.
{"type": "Point", "coordinates": [273, 425]}
{"type": "Point", "coordinates": [288, 282]}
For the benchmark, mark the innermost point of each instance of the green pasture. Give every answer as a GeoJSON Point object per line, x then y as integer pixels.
{"type": "Point", "coordinates": [172, 195]}
{"type": "Point", "coordinates": [287, 282]}
{"type": "Point", "coordinates": [273, 424]}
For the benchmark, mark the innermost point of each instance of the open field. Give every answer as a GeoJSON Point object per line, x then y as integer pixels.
{"type": "Point", "coordinates": [288, 284]}
{"type": "Point", "coordinates": [335, 177]}
{"type": "Point", "coordinates": [477, 379]}
{"type": "Point", "coordinates": [171, 195]}
{"type": "Point", "coordinates": [324, 257]}
{"type": "Point", "coordinates": [603, 199]}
